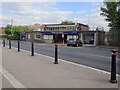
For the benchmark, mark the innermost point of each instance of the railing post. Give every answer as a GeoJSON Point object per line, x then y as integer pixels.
{"type": "Point", "coordinates": [56, 54]}
{"type": "Point", "coordinates": [32, 48]}
{"type": "Point", "coordinates": [3, 42]}
{"type": "Point", "coordinates": [18, 45]}
{"type": "Point", "coordinates": [9, 44]}
{"type": "Point", "coordinates": [113, 67]}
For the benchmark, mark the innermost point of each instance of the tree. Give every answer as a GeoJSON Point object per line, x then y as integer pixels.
{"type": "Point", "coordinates": [13, 32]}
{"type": "Point", "coordinates": [110, 12]}
{"type": "Point", "coordinates": [8, 29]}
{"type": "Point", "coordinates": [67, 22]}
{"type": "Point", "coordinates": [112, 15]}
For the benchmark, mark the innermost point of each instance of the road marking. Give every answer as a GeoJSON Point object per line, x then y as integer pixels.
{"type": "Point", "coordinates": [94, 55]}
{"type": "Point", "coordinates": [88, 67]}
{"type": "Point", "coordinates": [11, 79]}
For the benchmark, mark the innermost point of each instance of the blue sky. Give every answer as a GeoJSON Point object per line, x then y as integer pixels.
{"type": "Point", "coordinates": [28, 13]}
{"type": "Point", "coordinates": [75, 6]}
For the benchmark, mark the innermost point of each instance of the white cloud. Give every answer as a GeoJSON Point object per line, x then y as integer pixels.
{"type": "Point", "coordinates": [97, 4]}
{"type": "Point", "coordinates": [30, 13]}
{"type": "Point", "coordinates": [97, 20]}
{"type": "Point", "coordinates": [81, 12]}
{"type": "Point", "coordinates": [94, 20]}
{"type": "Point", "coordinates": [25, 13]}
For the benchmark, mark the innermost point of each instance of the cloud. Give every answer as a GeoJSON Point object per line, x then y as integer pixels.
{"type": "Point", "coordinates": [93, 20]}
{"type": "Point", "coordinates": [22, 12]}
{"type": "Point", "coordinates": [81, 12]}
{"type": "Point", "coordinates": [30, 13]}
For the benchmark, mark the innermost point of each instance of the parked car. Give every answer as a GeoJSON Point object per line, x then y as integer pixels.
{"type": "Point", "coordinates": [74, 42]}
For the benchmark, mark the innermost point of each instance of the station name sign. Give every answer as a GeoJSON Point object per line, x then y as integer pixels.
{"type": "Point", "coordinates": [59, 32]}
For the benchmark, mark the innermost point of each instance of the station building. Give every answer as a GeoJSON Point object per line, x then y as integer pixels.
{"type": "Point", "coordinates": [56, 33]}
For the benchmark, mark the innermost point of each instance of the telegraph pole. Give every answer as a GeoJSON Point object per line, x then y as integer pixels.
{"type": "Point", "coordinates": [11, 25]}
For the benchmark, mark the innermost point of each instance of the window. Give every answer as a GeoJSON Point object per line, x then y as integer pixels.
{"type": "Point", "coordinates": [38, 36]}
{"type": "Point", "coordinates": [75, 36]}
{"type": "Point", "coordinates": [71, 36]}
{"type": "Point", "coordinates": [48, 36]}
{"type": "Point", "coordinates": [45, 36]}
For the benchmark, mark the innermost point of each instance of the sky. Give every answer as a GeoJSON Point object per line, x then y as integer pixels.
{"type": "Point", "coordinates": [29, 13]}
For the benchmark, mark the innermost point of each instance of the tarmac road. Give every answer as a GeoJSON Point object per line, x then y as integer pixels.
{"type": "Point", "coordinates": [88, 56]}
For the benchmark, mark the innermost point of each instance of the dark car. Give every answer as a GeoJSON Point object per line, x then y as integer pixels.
{"type": "Point", "coordinates": [74, 42]}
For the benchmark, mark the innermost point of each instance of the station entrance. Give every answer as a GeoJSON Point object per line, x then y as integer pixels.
{"type": "Point", "coordinates": [58, 38]}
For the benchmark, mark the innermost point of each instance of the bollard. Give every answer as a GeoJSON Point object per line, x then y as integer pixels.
{"type": "Point", "coordinates": [56, 54]}
{"type": "Point", "coordinates": [3, 42]}
{"type": "Point", "coordinates": [18, 45]}
{"type": "Point", "coordinates": [9, 44]}
{"type": "Point", "coordinates": [113, 67]}
{"type": "Point", "coordinates": [32, 49]}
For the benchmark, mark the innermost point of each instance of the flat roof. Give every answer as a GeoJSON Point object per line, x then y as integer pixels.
{"type": "Point", "coordinates": [62, 25]}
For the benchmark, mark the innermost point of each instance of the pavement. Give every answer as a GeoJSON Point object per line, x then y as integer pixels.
{"type": "Point", "coordinates": [21, 70]}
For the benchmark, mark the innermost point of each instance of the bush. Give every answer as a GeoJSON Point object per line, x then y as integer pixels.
{"type": "Point", "coordinates": [3, 36]}
{"type": "Point", "coordinates": [13, 37]}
